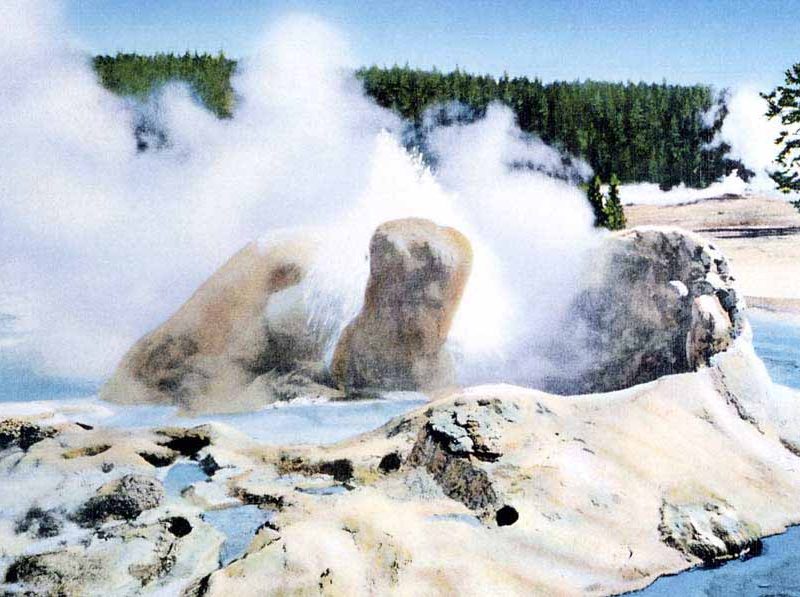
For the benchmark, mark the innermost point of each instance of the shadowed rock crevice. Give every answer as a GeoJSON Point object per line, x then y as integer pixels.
{"type": "Point", "coordinates": [454, 442]}
{"type": "Point", "coordinates": [186, 442]}
{"type": "Point", "coordinates": [341, 469]}
{"type": "Point", "coordinates": [159, 459]}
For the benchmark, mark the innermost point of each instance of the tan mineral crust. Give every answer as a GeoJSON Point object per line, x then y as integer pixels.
{"type": "Point", "coordinates": [496, 489]}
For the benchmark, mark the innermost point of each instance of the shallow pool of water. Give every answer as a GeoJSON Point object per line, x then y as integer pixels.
{"type": "Point", "coordinates": [777, 342]}
{"type": "Point", "coordinates": [239, 525]}
{"type": "Point", "coordinates": [776, 572]}
{"type": "Point", "coordinates": [182, 475]}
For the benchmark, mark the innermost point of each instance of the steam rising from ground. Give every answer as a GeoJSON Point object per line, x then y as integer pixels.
{"type": "Point", "coordinates": [751, 137]}
{"type": "Point", "coordinates": [100, 242]}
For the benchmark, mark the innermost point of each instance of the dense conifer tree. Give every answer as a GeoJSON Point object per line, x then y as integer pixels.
{"type": "Point", "coordinates": [594, 194]}
{"type": "Point", "coordinates": [784, 103]}
{"type": "Point", "coordinates": [614, 213]}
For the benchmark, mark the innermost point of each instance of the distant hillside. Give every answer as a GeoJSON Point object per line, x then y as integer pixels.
{"type": "Point", "coordinates": [640, 131]}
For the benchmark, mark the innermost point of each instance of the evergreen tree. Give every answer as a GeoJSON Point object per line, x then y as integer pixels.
{"type": "Point", "coordinates": [614, 213]}
{"type": "Point", "coordinates": [594, 194]}
{"type": "Point", "coordinates": [784, 103]}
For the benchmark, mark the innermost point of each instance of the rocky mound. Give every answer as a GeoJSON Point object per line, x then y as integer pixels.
{"type": "Point", "coordinates": [495, 489]}
{"type": "Point", "coordinates": [244, 339]}
{"type": "Point", "coordinates": [247, 320]}
{"type": "Point", "coordinates": [660, 301]}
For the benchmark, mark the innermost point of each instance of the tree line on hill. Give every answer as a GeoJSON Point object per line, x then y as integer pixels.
{"type": "Point", "coordinates": [639, 132]}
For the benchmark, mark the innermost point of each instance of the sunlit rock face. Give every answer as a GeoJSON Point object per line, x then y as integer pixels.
{"type": "Point", "coordinates": [660, 301]}
{"type": "Point", "coordinates": [247, 338]}
{"type": "Point", "coordinates": [418, 271]}
{"type": "Point", "coordinates": [245, 322]}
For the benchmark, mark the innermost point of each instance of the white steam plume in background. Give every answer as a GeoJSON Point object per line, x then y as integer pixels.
{"type": "Point", "coordinates": [101, 243]}
{"type": "Point", "coordinates": [751, 138]}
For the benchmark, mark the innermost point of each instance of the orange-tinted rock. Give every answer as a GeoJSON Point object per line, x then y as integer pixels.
{"type": "Point", "coordinates": [225, 335]}
{"type": "Point", "coordinates": [418, 271]}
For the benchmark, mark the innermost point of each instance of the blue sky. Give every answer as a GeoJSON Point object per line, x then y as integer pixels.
{"type": "Point", "coordinates": [726, 43]}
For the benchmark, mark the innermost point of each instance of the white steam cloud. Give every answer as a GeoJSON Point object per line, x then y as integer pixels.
{"type": "Point", "coordinates": [101, 243]}
{"type": "Point", "coordinates": [751, 138]}
{"type": "Point", "coordinates": [750, 134]}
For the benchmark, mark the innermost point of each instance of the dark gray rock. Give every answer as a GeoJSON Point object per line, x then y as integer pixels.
{"type": "Point", "coordinates": [123, 499]}
{"type": "Point", "coordinates": [455, 441]}
{"type": "Point", "coordinates": [40, 523]}
{"type": "Point", "coordinates": [640, 317]}
{"type": "Point", "coordinates": [22, 434]}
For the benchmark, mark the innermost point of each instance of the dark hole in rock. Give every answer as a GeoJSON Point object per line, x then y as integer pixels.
{"type": "Point", "coordinates": [341, 469]}
{"type": "Point", "coordinates": [85, 426]}
{"type": "Point", "coordinates": [179, 526]}
{"type": "Point", "coordinates": [107, 467]}
{"type": "Point", "coordinates": [159, 459]}
{"type": "Point", "coordinates": [391, 462]}
{"type": "Point", "coordinates": [505, 516]}
{"type": "Point", "coordinates": [209, 465]}
{"type": "Point", "coordinates": [188, 445]}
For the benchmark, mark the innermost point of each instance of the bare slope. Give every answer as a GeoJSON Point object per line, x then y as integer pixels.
{"type": "Point", "coordinates": [760, 237]}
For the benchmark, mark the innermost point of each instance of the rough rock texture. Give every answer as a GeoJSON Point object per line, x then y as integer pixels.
{"type": "Point", "coordinates": [710, 530]}
{"type": "Point", "coordinates": [661, 301]}
{"type": "Point", "coordinates": [454, 440]}
{"type": "Point", "coordinates": [418, 271]}
{"type": "Point", "coordinates": [493, 490]}
{"type": "Point", "coordinates": [23, 434]}
{"type": "Point", "coordinates": [244, 339]}
{"type": "Point", "coordinates": [246, 321]}
{"type": "Point", "coordinates": [502, 490]}
{"type": "Point", "coordinates": [123, 560]}
{"type": "Point", "coordinates": [710, 332]}
{"type": "Point", "coordinates": [123, 499]}
{"type": "Point", "coordinates": [99, 525]}
{"type": "Point", "coordinates": [40, 523]}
